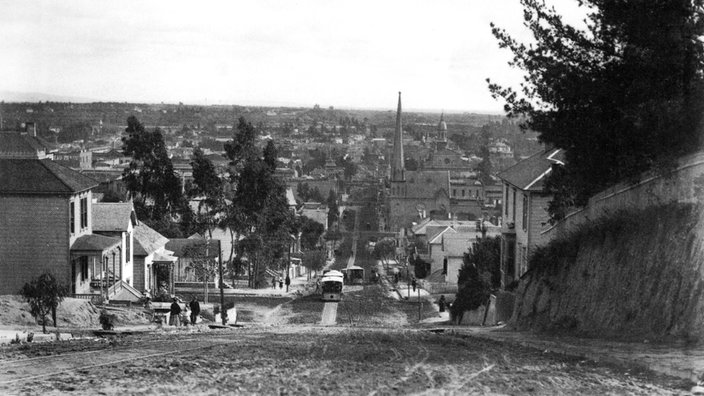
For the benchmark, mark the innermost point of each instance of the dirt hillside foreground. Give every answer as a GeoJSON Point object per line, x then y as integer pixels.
{"type": "Point", "coordinates": [72, 313]}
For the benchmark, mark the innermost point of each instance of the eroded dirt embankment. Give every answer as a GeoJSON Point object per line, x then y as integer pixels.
{"type": "Point", "coordinates": [632, 276]}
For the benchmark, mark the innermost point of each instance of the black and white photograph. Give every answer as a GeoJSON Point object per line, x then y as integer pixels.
{"type": "Point", "coordinates": [390, 197]}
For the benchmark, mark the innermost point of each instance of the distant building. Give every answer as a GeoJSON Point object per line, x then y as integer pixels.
{"type": "Point", "coordinates": [525, 213]}
{"type": "Point", "coordinates": [414, 195]}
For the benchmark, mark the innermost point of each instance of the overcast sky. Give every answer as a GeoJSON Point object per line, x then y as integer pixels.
{"type": "Point", "coordinates": [334, 53]}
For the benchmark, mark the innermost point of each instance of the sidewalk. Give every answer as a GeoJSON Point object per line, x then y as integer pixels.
{"type": "Point", "coordinates": [677, 360]}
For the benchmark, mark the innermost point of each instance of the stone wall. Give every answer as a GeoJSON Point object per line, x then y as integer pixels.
{"type": "Point", "coordinates": [685, 183]}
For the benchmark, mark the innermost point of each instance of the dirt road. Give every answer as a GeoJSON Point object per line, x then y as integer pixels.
{"type": "Point", "coordinates": [311, 360]}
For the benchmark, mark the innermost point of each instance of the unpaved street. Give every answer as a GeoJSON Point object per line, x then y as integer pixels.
{"type": "Point", "coordinates": [305, 359]}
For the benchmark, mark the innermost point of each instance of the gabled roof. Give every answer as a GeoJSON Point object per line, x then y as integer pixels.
{"type": "Point", "coordinates": [530, 173]}
{"type": "Point", "coordinates": [109, 216]}
{"type": "Point", "coordinates": [95, 243]}
{"type": "Point", "coordinates": [147, 241]}
{"type": "Point", "coordinates": [435, 233]}
{"type": "Point", "coordinates": [34, 176]}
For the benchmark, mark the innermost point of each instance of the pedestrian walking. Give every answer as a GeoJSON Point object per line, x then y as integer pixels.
{"type": "Point", "coordinates": [195, 309]}
{"type": "Point", "coordinates": [288, 282]}
{"type": "Point", "coordinates": [441, 303]}
{"type": "Point", "coordinates": [413, 284]}
{"type": "Point", "coordinates": [273, 282]}
{"type": "Point", "coordinates": [175, 319]}
{"type": "Point", "coordinates": [281, 283]}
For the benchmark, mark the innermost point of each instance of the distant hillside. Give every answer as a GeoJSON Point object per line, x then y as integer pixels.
{"type": "Point", "coordinates": [11, 96]}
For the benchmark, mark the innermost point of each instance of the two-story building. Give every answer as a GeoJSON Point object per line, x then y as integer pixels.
{"type": "Point", "coordinates": [45, 220]}
{"type": "Point", "coordinates": [525, 211]}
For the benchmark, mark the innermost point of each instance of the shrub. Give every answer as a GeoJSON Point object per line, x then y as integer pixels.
{"type": "Point", "coordinates": [43, 294]}
{"type": "Point", "coordinates": [107, 320]}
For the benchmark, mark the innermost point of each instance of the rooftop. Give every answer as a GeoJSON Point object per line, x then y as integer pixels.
{"type": "Point", "coordinates": [147, 241]}
{"type": "Point", "coordinates": [113, 216]}
{"type": "Point", "coordinates": [35, 176]}
{"type": "Point", "coordinates": [530, 173]}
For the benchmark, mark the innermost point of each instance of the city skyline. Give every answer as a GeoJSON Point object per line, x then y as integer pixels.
{"type": "Point", "coordinates": [348, 55]}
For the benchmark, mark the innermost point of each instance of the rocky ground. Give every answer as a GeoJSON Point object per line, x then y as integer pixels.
{"type": "Point", "coordinates": [305, 359]}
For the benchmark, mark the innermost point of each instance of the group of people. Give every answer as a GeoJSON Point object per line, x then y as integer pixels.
{"type": "Point", "coordinates": [281, 282]}
{"type": "Point", "coordinates": [175, 312]}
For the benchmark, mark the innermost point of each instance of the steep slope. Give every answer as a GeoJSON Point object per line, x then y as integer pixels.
{"type": "Point", "coordinates": [634, 275]}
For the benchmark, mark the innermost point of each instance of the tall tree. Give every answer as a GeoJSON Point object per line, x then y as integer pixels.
{"type": "Point", "coordinates": [623, 95]}
{"type": "Point", "coordinates": [259, 202]}
{"type": "Point", "coordinates": [207, 186]}
{"type": "Point", "coordinates": [479, 275]}
{"type": "Point", "coordinates": [150, 176]}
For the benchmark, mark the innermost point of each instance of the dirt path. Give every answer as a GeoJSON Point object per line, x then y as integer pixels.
{"type": "Point", "coordinates": [315, 360]}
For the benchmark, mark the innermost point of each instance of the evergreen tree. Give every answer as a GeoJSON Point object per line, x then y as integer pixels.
{"type": "Point", "coordinates": [150, 177]}
{"type": "Point", "coordinates": [623, 96]}
{"type": "Point", "coordinates": [208, 186]}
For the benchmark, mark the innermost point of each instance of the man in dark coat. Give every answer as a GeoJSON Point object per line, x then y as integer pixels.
{"type": "Point", "coordinates": [288, 282]}
{"type": "Point", "coordinates": [194, 305]}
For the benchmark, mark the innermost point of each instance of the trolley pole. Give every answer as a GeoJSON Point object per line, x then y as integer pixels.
{"type": "Point", "coordinates": [420, 304]}
{"type": "Point", "coordinates": [223, 311]}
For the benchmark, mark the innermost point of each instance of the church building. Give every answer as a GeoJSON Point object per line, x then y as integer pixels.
{"type": "Point", "coordinates": [427, 192]}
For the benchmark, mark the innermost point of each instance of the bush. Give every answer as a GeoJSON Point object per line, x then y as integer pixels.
{"type": "Point", "coordinates": [107, 320]}
{"type": "Point", "coordinates": [43, 294]}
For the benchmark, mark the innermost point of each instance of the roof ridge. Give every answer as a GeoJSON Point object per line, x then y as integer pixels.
{"type": "Point", "coordinates": [61, 179]}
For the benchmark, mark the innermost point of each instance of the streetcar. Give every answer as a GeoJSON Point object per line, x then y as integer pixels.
{"type": "Point", "coordinates": [331, 284]}
{"type": "Point", "coordinates": [354, 275]}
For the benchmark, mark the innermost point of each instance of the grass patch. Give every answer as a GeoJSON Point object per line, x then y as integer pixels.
{"type": "Point", "coordinates": [307, 310]}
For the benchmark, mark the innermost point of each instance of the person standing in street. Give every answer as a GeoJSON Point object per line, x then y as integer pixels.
{"type": "Point", "coordinates": [413, 284]}
{"type": "Point", "coordinates": [195, 310]}
{"type": "Point", "coordinates": [175, 318]}
{"type": "Point", "coordinates": [441, 303]}
{"type": "Point", "coordinates": [273, 282]}
{"type": "Point", "coordinates": [288, 282]}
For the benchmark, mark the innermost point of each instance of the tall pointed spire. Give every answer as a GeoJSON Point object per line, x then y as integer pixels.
{"type": "Point", "coordinates": [397, 166]}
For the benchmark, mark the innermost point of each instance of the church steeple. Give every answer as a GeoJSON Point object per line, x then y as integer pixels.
{"type": "Point", "coordinates": [442, 128]}
{"type": "Point", "coordinates": [397, 165]}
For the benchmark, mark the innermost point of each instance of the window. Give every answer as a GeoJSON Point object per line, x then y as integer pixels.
{"type": "Point", "coordinates": [463, 191]}
{"type": "Point", "coordinates": [454, 192]}
{"type": "Point", "coordinates": [84, 268]}
{"type": "Point", "coordinates": [513, 207]}
{"type": "Point", "coordinates": [72, 216]}
{"type": "Point", "coordinates": [444, 266]}
{"type": "Point", "coordinates": [525, 212]}
{"type": "Point", "coordinates": [506, 199]}
{"type": "Point", "coordinates": [84, 213]}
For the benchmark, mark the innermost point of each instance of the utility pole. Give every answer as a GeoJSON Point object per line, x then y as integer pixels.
{"type": "Point", "coordinates": [420, 304]}
{"type": "Point", "coordinates": [223, 311]}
